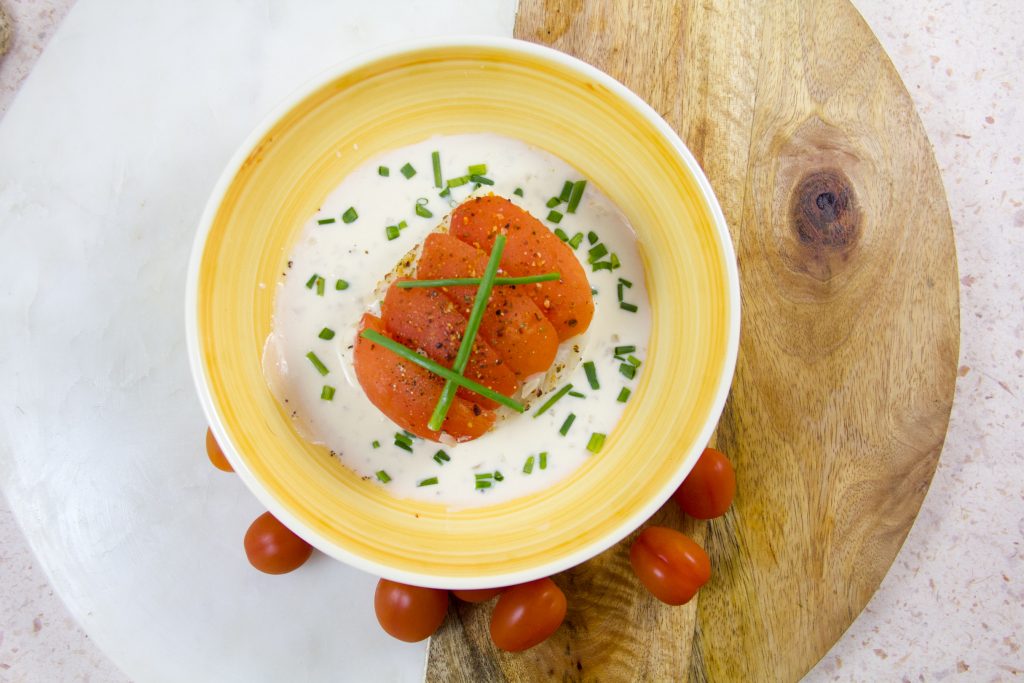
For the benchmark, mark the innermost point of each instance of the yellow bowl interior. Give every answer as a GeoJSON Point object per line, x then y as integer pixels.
{"type": "Point", "coordinates": [399, 100]}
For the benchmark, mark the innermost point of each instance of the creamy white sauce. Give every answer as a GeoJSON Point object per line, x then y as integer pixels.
{"type": "Point", "coordinates": [361, 254]}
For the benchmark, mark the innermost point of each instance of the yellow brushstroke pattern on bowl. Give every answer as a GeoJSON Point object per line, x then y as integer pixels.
{"type": "Point", "coordinates": [398, 100]}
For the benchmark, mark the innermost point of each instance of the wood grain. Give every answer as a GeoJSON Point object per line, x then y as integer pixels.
{"type": "Point", "coordinates": [848, 351]}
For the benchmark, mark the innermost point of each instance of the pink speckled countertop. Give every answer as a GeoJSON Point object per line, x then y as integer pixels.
{"type": "Point", "coordinates": [953, 602]}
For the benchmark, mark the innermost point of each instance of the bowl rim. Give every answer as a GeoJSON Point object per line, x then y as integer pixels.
{"type": "Point", "coordinates": [227, 176]}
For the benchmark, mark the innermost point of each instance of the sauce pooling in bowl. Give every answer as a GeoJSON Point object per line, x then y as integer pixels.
{"type": "Point", "coordinates": [371, 222]}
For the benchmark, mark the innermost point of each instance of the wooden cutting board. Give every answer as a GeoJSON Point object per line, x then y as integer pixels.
{"type": "Point", "coordinates": [848, 351]}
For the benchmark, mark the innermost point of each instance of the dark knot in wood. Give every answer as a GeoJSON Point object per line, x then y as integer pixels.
{"type": "Point", "coordinates": [824, 210]}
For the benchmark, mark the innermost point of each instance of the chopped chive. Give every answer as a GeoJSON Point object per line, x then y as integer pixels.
{"type": "Point", "coordinates": [483, 294]}
{"type": "Point", "coordinates": [592, 237]}
{"type": "Point", "coordinates": [615, 261]}
{"type": "Point", "coordinates": [553, 202]}
{"type": "Point", "coordinates": [435, 161]}
{"type": "Point", "coordinates": [627, 306]}
{"type": "Point", "coordinates": [634, 361]}
{"type": "Point", "coordinates": [593, 291]}
{"type": "Point", "coordinates": [483, 484]}
{"type": "Point", "coordinates": [560, 234]}
{"type": "Point", "coordinates": [328, 393]}
{"type": "Point", "coordinates": [528, 465]}
{"type": "Point", "coordinates": [591, 371]}
{"type": "Point", "coordinates": [326, 333]}
{"type": "Point", "coordinates": [317, 363]}
{"type": "Point", "coordinates": [441, 457]}
{"type": "Point", "coordinates": [498, 476]}
{"type": "Point", "coordinates": [576, 195]}
{"type": "Point", "coordinates": [383, 171]}
{"type": "Point", "coordinates": [576, 394]}
{"type": "Point", "coordinates": [484, 475]}
{"type": "Point", "coordinates": [477, 169]}
{"type": "Point", "coordinates": [623, 350]}
{"type": "Point", "coordinates": [375, 444]}
{"type": "Point", "coordinates": [350, 215]}
{"type": "Point", "coordinates": [440, 370]}
{"type": "Point", "coordinates": [476, 186]}
{"type": "Point", "coordinates": [340, 285]}
{"type": "Point", "coordinates": [576, 239]}
{"type": "Point", "coordinates": [518, 192]}
{"type": "Point", "coordinates": [564, 429]}
{"type": "Point", "coordinates": [625, 282]}
{"type": "Point", "coordinates": [461, 281]}
{"type": "Point", "coordinates": [402, 225]}
{"type": "Point", "coordinates": [429, 481]}
{"type": "Point", "coordinates": [404, 446]}
{"type": "Point", "coordinates": [408, 171]}
{"type": "Point", "coordinates": [543, 457]}
{"type": "Point", "coordinates": [404, 438]}
{"type": "Point", "coordinates": [619, 287]}
{"type": "Point", "coordinates": [312, 281]}
{"type": "Point", "coordinates": [624, 395]}
{"type": "Point", "coordinates": [320, 283]}
{"type": "Point", "coordinates": [421, 208]}
{"type": "Point", "coordinates": [325, 221]}
{"type": "Point", "coordinates": [392, 232]}
{"type": "Point", "coordinates": [456, 182]}
{"type": "Point", "coordinates": [446, 192]}
{"type": "Point", "coordinates": [566, 191]}
{"type": "Point", "coordinates": [595, 443]}
{"type": "Point", "coordinates": [602, 265]}
{"type": "Point", "coordinates": [551, 401]}
{"type": "Point", "coordinates": [554, 216]}
{"type": "Point", "coordinates": [595, 253]}
{"type": "Point", "coordinates": [481, 180]}
{"type": "Point", "coordinates": [383, 476]}
{"type": "Point", "coordinates": [628, 370]}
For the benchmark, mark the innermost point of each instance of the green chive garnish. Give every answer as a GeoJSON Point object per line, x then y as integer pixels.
{"type": "Point", "coordinates": [627, 306]}
{"type": "Point", "coordinates": [477, 169]}
{"type": "Point", "coordinates": [554, 216]}
{"type": "Point", "coordinates": [421, 208]}
{"type": "Point", "coordinates": [403, 437]}
{"type": "Point", "coordinates": [456, 182]}
{"type": "Point", "coordinates": [528, 465]}
{"type": "Point", "coordinates": [317, 363]}
{"type": "Point", "coordinates": [591, 371]}
{"type": "Point", "coordinates": [483, 484]}
{"type": "Point", "coordinates": [435, 160]}
{"type": "Point", "coordinates": [551, 401]}
{"type": "Point", "coordinates": [498, 476]}
{"type": "Point", "coordinates": [383, 171]}
{"type": "Point", "coordinates": [340, 285]}
{"type": "Point", "coordinates": [566, 192]}
{"type": "Point", "coordinates": [553, 202]}
{"type": "Point", "coordinates": [564, 429]}
{"type": "Point", "coordinates": [560, 234]}
{"type": "Point", "coordinates": [483, 294]}
{"type": "Point", "coordinates": [484, 475]}
{"type": "Point", "coordinates": [320, 286]}
{"type": "Point", "coordinates": [602, 265]}
{"type": "Point", "coordinates": [312, 281]}
{"type": "Point", "coordinates": [326, 333]}
{"type": "Point", "coordinates": [623, 350]}
{"type": "Point", "coordinates": [404, 446]}
{"type": "Point", "coordinates": [594, 254]}
{"type": "Point", "coordinates": [463, 281]}
{"type": "Point", "coordinates": [619, 288]}
{"type": "Point", "coordinates": [592, 237]}
{"type": "Point", "coordinates": [629, 371]}
{"type": "Point", "coordinates": [624, 395]}
{"type": "Point", "coordinates": [634, 361]}
{"type": "Point", "coordinates": [543, 457]}
{"type": "Point", "coordinates": [518, 192]}
{"type": "Point", "coordinates": [402, 225]}
{"type": "Point", "coordinates": [576, 394]}
{"type": "Point", "coordinates": [446, 192]}
{"type": "Point", "coordinates": [440, 370]}
{"type": "Point", "coordinates": [576, 195]}
{"type": "Point", "coordinates": [481, 180]}
{"type": "Point", "coordinates": [615, 261]}
{"type": "Point", "coordinates": [625, 282]}
{"type": "Point", "coordinates": [375, 444]}
{"type": "Point", "coordinates": [408, 171]}
{"type": "Point", "coordinates": [430, 481]}
{"type": "Point", "coordinates": [595, 443]}
{"type": "Point", "coordinates": [350, 215]}
{"type": "Point", "coordinates": [325, 221]}
{"type": "Point", "coordinates": [328, 393]}
{"type": "Point", "coordinates": [392, 232]}
{"type": "Point", "coordinates": [383, 476]}
{"type": "Point", "coordinates": [441, 457]}
{"type": "Point", "coordinates": [576, 239]}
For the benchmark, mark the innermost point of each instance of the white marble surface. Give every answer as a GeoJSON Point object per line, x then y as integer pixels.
{"type": "Point", "coordinates": [950, 606]}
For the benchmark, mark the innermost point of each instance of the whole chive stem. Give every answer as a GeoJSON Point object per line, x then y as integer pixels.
{"type": "Point", "coordinates": [461, 281]}
{"type": "Point", "coordinates": [440, 370]}
{"type": "Point", "coordinates": [551, 401]}
{"type": "Point", "coordinates": [483, 295]}
{"type": "Point", "coordinates": [435, 160]}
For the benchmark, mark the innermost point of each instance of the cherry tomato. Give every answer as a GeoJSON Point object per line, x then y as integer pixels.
{"type": "Point", "coordinates": [669, 564]}
{"type": "Point", "coordinates": [274, 548]}
{"type": "Point", "coordinates": [708, 490]}
{"type": "Point", "coordinates": [527, 614]}
{"type": "Point", "coordinates": [478, 595]}
{"type": "Point", "coordinates": [215, 454]}
{"type": "Point", "coordinates": [409, 613]}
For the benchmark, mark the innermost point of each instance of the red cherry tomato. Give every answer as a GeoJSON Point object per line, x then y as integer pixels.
{"type": "Point", "coordinates": [708, 490]}
{"type": "Point", "coordinates": [215, 454]}
{"type": "Point", "coordinates": [527, 614]}
{"type": "Point", "coordinates": [478, 595]}
{"type": "Point", "coordinates": [274, 548]}
{"type": "Point", "coordinates": [669, 564]}
{"type": "Point", "coordinates": [409, 613]}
